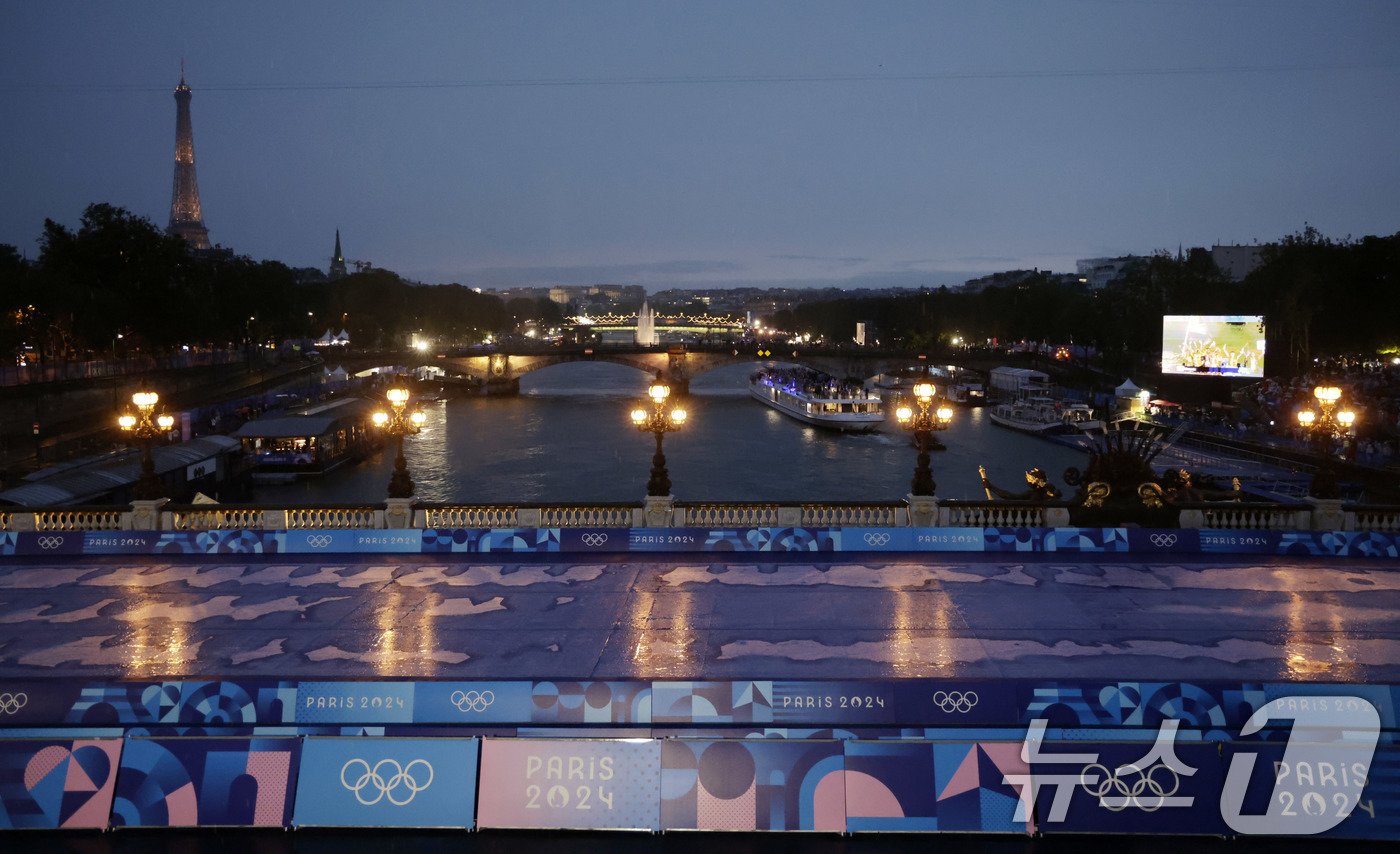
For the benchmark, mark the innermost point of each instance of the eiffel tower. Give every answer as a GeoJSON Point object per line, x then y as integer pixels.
{"type": "Point", "coordinates": [186, 217]}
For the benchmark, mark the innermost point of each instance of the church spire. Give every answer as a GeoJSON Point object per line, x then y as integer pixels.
{"type": "Point", "coordinates": [337, 260]}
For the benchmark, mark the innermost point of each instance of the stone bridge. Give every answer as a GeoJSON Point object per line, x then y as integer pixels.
{"type": "Point", "coordinates": [501, 370]}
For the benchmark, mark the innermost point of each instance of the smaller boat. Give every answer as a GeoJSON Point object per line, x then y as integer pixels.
{"type": "Point", "coordinates": [818, 399]}
{"type": "Point", "coordinates": [1045, 415]}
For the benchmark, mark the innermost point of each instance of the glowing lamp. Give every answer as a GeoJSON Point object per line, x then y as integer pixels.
{"type": "Point", "coordinates": [418, 418]}
{"type": "Point", "coordinates": [659, 392]}
{"type": "Point", "coordinates": [639, 416]}
{"type": "Point", "coordinates": [127, 422]}
{"type": "Point", "coordinates": [397, 396]}
{"type": "Point", "coordinates": [1307, 417]}
{"type": "Point", "coordinates": [165, 422]}
{"type": "Point", "coordinates": [945, 414]}
{"type": "Point", "coordinates": [1346, 417]}
{"type": "Point", "coordinates": [145, 399]}
{"type": "Point", "coordinates": [380, 419]}
{"type": "Point", "coordinates": [903, 414]}
{"type": "Point", "coordinates": [924, 392]}
{"type": "Point", "coordinates": [678, 416]}
{"type": "Point", "coordinates": [1327, 393]}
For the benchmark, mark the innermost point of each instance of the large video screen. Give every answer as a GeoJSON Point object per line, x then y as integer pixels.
{"type": "Point", "coordinates": [1213, 345]}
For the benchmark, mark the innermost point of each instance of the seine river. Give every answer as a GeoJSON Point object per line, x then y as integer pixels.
{"type": "Point", "coordinates": [567, 438]}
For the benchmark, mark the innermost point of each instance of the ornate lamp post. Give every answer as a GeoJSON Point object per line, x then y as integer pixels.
{"type": "Point", "coordinates": [145, 426]}
{"type": "Point", "coordinates": [922, 424]}
{"type": "Point", "coordinates": [1323, 425]}
{"type": "Point", "coordinates": [399, 422]}
{"type": "Point", "coordinates": [658, 421]}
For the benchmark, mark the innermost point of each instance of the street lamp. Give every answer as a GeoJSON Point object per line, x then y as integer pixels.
{"type": "Point", "coordinates": [145, 426]}
{"type": "Point", "coordinates": [922, 424]}
{"type": "Point", "coordinates": [1324, 425]}
{"type": "Point", "coordinates": [399, 422]}
{"type": "Point", "coordinates": [658, 421]}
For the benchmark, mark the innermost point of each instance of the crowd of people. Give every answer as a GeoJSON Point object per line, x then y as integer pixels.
{"type": "Point", "coordinates": [1267, 412]}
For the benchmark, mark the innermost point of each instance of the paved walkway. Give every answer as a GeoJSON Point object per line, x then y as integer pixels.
{"type": "Point", "coordinates": [927, 616]}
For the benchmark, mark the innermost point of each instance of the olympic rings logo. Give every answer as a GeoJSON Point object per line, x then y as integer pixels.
{"type": "Point", "coordinates": [879, 539]}
{"type": "Point", "coordinates": [472, 701]}
{"type": "Point", "coordinates": [1147, 792]}
{"type": "Point", "coordinates": [318, 541]}
{"type": "Point", "coordinates": [594, 538]}
{"type": "Point", "coordinates": [387, 779]}
{"type": "Point", "coordinates": [955, 701]}
{"type": "Point", "coordinates": [11, 703]}
{"type": "Point", "coordinates": [50, 542]}
{"type": "Point", "coordinates": [1163, 541]}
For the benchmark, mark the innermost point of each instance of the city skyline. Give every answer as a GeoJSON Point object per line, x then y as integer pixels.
{"type": "Point", "coordinates": [716, 147]}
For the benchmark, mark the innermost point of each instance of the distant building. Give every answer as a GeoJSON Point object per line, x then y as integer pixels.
{"type": "Point", "coordinates": [1236, 262]}
{"type": "Point", "coordinates": [1097, 273]}
{"type": "Point", "coordinates": [337, 270]}
{"type": "Point", "coordinates": [559, 295]}
{"type": "Point", "coordinates": [866, 334]}
{"type": "Point", "coordinates": [1010, 278]}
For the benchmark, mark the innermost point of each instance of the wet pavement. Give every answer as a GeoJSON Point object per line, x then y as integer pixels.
{"type": "Point", "coordinates": [692, 616]}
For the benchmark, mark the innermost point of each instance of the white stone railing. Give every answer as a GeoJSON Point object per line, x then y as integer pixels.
{"type": "Point", "coordinates": [1361, 517]}
{"type": "Point", "coordinates": [664, 512]}
{"type": "Point", "coordinates": [856, 515]}
{"type": "Point", "coordinates": [469, 516]}
{"type": "Point", "coordinates": [729, 515]}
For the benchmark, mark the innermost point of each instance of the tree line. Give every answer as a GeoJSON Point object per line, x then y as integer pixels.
{"type": "Point", "coordinates": [118, 285]}
{"type": "Point", "coordinates": [1319, 297]}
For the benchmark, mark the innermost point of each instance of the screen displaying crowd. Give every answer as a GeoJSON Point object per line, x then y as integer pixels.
{"type": "Point", "coordinates": [1231, 345]}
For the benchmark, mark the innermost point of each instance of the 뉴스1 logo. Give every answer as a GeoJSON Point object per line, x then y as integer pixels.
{"type": "Point", "coordinates": [955, 701]}
{"type": "Point", "coordinates": [1163, 541]}
{"type": "Point", "coordinates": [318, 541]}
{"type": "Point", "coordinates": [594, 538]}
{"type": "Point", "coordinates": [11, 703]}
{"type": "Point", "coordinates": [387, 779]}
{"type": "Point", "coordinates": [877, 539]}
{"type": "Point", "coordinates": [472, 701]}
{"type": "Point", "coordinates": [50, 542]}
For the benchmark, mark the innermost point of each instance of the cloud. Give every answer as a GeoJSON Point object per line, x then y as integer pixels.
{"type": "Point", "coordinates": [647, 272]}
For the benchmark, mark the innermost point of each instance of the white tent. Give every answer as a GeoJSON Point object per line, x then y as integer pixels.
{"type": "Point", "coordinates": [1127, 389]}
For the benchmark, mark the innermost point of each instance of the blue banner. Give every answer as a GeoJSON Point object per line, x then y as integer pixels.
{"type": "Point", "coordinates": [958, 787]}
{"type": "Point", "coordinates": [752, 785]}
{"type": "Point", "coordinates": [354, 702]}
{"type": "Point", "coordinates": [64, 783]}
{"type": "Point", "coordinates": [204, 782]}
{"type": "Point", "coordinates": [855, 540]}
{"type": "Point", "coordinates": [387, 782]}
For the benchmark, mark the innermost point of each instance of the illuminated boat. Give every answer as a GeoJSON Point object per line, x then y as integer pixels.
{"type": "Point", "coordinates": [1042, 415]}
{"type": "Point", "coordinates": [818, 399]}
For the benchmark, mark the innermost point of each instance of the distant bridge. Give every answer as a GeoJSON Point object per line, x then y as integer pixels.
{"type": "Point", "coordinates": [502, 368]}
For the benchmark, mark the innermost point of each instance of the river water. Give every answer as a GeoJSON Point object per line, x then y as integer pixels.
{"type": "Point", "coordinates": [567, 438]}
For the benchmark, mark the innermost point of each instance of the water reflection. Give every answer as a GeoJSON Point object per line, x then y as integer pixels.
{"type": "Point", "coordinates": [567, 438]}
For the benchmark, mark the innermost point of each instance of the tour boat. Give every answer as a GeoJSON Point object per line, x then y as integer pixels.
{"type": "Point", "coordinates": [1045, 415]}
{"type": "Point", "coordinates": [818, 399]}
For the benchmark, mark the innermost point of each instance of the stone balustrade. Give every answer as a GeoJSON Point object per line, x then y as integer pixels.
{"type": "Point", "coordinates": [1313, 514]}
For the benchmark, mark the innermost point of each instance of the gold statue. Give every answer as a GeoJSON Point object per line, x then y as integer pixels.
{"type": "Point", "coordinates": [1039, 488]}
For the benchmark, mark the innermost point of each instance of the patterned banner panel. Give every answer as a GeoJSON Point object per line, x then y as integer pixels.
{"type": "Point", "coordinates": [752, 785]}
{"type": "Point", "coordinates": [49, 784]}
{"type": "Point", "coordinates": [1332, 786]}
{"type": "Point", "coordinates": [1117, 787]}
{"type": "Point", "coordinates": [584, 785]}
{"type": "Point", "coordinates": [1140, 541]}
{"type": "Point", "coordinates": [923, 786]}
{"type": "Point", "coordinates": [781, 702]}
{"type": "Point", "coordinates": [187, 782]}
{"type": "Point", "coordinates": [387, 782]}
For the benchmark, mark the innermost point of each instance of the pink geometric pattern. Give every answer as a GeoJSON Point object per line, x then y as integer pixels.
{"type": "Point", "coordinates": [270, 769]}
{"type": "Point", "coordinates": [712, 813]}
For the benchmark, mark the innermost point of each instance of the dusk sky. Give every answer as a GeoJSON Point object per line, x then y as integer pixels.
{"type": "Point", "coordinates": [711, 143]}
